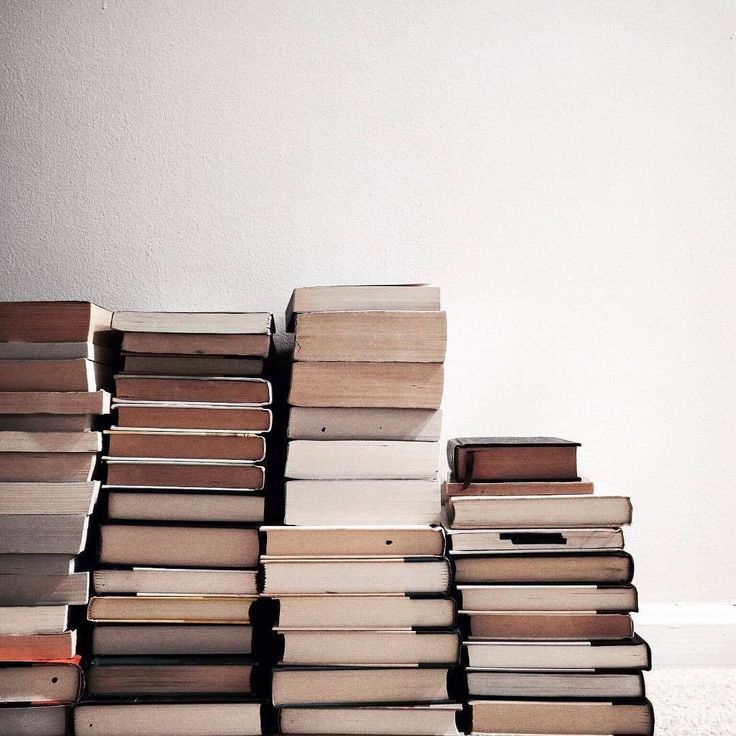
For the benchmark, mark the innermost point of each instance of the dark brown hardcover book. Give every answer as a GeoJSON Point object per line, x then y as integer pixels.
{"type": "Point", "coordinates": [257, 346]}
{"type": "Point", "coordinates": [193, 389]}
{"type": "Point", "coordinates": [160, 416]}
{"type": "Point", "coordinates": [192, 365]}
{"type": "Point", "coordinates": [190, 445]}
{"type": "Point", "coordinates": [185, 474]}
{"type": "Point", "coordinates": [565, 625]}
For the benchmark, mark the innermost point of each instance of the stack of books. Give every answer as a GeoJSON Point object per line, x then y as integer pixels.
{"type": "Point", "coordinates": [364, 633]}
{"type": "Point", "coordinates": [544, 590]}
{"type": "Point", "coordinates": [55, 364]}
{"type": "Point", "coordinates": [175, 587]}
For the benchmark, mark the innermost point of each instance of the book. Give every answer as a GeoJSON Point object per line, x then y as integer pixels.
{"type": "Point", "coordinates": [363, 611]}
{"type": "Point", "coordinates": [351, 685]}
{"type": "Point", "coordinates": [176, 677]}
{"type": "Point", "coordinates": [174, 581]}
{"type": "Point", "coordinates": [202, 445]}
{"type": "Point", "coordinates": [626, 654]}
{"type": "Point", "coordinates": [184, 474]}
{"type": "Point", "coordinates": [533, 540]}
{"type": "Point", "coordinates": [483, 459]}
{"type": "Point", "coordinates": [36, 647]}
{"type": "Point", "coordinates": [171, 609]}
{"type": "Point", "coordinates": [41, 682]}
{"type": "Point", "coordinates": [33, 720]}
{"type": "Point", "coordinates": [161, 343]}
{"type": "Point", "coordinates": [378, 385]}
{"type": "Point", "coordinates": [178, 546]}
{"type": "Point", "coordinates": [387, 337]}
{"type": "Point", "coordinates": [340, 423]}
{"type": "Point", "coordinates": [161, 415]}
{"type": "Point", "coordinates": [362, 460]}
{"type": "Point", "coordinates": [340, 647]}
{"type": "Point", "coordinates": [601, 567]}
{"type": "Point", "coordinates": [43, 590]}
{"type": "Point", "coordinates": [454, 487]}
{"type": "Point", "coordinates": [358, 502]}
{"type": "Point", "coordinates": [75, 374]}
{"type": "Point", "coordinates": [27, 467]}
{"type": "Point", "coordinates": [547, 598]}
{"type": "Point", "coordinates": [50, 442]}
{"type": "Point", "coordinates": [47, 422]}
{"type": "Point", "coordinates": [549, 625]}
{"type": "Point", "coordinates": [54, 321]}
{"type": "Point", "coordinates": [169, 719]}
{"type": "Point", "coordinates": [343, 541]}
{"type": "Point", "coordinates": [47, 534]}
{"type": "Point", "coordinates": [535, 512]}
{"type": "Point", "coordinates": [436, 719]}
{"type": "Point", "coordinates": [243, 508]}
{"type": "Point", "coordinates": [34, 619]}
{"type": "Point", "coordinates": [193, 389]}
{"type": "Point", "coordinates": [545, 717]}
{"type": "Point", "coordinates": [34, 563]}
{"type": "Point", "coordinates": [59, 351]}
{"type": "Point", "coordinates": [48, 498]}
{"type": "Point", "coordinates": [192, 323]}
{"type": "Point", "coordinates": [577, 685]}
{"type": "Point", "coordinates": [157, 639]}
{"type": "Point", "coordinates": [191, 365]}
{"type": "Point", "coordinates": [45, 402]}
{"type": "Point", "coordinates": [370, 575]}
{"type": "Point", "coordinates": [357, 298]}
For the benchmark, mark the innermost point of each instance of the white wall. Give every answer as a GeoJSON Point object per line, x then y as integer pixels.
{"type": "Point", "coordinates": [564, 170]}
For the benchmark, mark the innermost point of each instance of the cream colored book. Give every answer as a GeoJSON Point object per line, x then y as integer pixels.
{"type": "Point", "coordinates": [48, 498]}
{"type": "Point", "coordinates": [193, 323]}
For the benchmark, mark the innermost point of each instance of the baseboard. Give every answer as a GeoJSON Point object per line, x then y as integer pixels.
{"type": "Point", "coordinates": [689, 634]}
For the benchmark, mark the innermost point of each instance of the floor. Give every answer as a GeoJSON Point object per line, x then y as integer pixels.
{"type": "Point", "coordinates": [693, 701]}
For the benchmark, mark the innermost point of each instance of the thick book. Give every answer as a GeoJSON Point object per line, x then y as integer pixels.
{"type": "Point", "coordinates": [163, 343]}
{"type": "Point", "coordinates": [361, 298]}
{"type": "Point", "coordinates": [184, 474]}
{"type": "Point", "coordinates": [192, 323]}
{"type": "Point", "coordinates": [53, 682]}
{"type": "Point", "coordinates": [384, 337]}
{"type": "Point", "coordinates": [533, 540]}
{"type": "Point", "coordinates": [377, 385]}
{"type": "Point", "coordinates": [351, 685]}
{"type": "Point", "coordinates": [479, 459]}
{"type": "Point", "coordinates": [45, 402]}
{"type": "Point", "coordinates": [70, 589]}
{"type": "Point", "coordinates": [50, 442]}
{"type": "Point", "coordinates": [160, 415]}
{"type": "Point", "coordinates": [453, 487]}
{"type": "Point", "coordinates": [359, 502]}
{"type": "Point", "coordinates": [39, 647]}
{"type": "Point", "coordinates": [107, 353]}
{"type": "Point", "coordinates": [176, 677]}
{"type": "Point", "coordinates": [43, 534]}
{"type": "Point", "coordinates": [174, 581]}
{"type": "Point", "coordinates": [607, 718]}
{"type": "Point", "coordinates": [48, 498]}
{"type": "Point", "coordinates": [349, 541]}
{"type": "Point", "coordinates": [34, 619]}
{"type": "Point", "coordinates": [548, 625]}
{"type": "Point", "coordinates": [340, 423]}
{"type": "Point", "coordinates": [624, 654]}
{"type": "Point", "coordinates": [54, 321]}
{"type": "Point", "coordinates": [362, 460]}
{"type": "Point", "coordinates": [346, 647]}
{"type": "Point", "coordinates": [169, 719]}
{"type": "Point", "coordinates": [242, 508]}
{"type": "Point", "coordinates": [76, 374]}
{"type": "Point", "coordinates": [48, 422]}
{"type": "Point", "coordinates": [47, 467]}
{"type": "Point", "coordinates": [356, 611]}
{"type": "Point", "coordinates": [535, 512]}
{"type": "Point", "coordinates": [621, 598]}
{"type": "Point", "coordinates": [192, 445]}
{"type": "Point", "coordinates": [193, 389]}
{"type": "Point", "coordinates": [35, 563]}
{"type": "Point", "coordinates": [191, 365]}
{"type": "Point", "coordinates": [436, 719]}
{"type": "Point", "coordinates": [602, 567]}
{"type": "Point", "coordinates": [171, 609]}
{"type": "Point", "coordinates": [429, 575]}
{"type": "Point", "coordinates": [34, 720]}
{"type": "Point", "coordinates": [157, 639]}
{"type": "Point", "coordinates": [178, 546]}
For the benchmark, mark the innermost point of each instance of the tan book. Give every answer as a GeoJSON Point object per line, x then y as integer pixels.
{"type": "Point", "coordinates": [381, 385]}
{"type": "Point", "coordinates": [186, 445]}
{"type": "Point", "coordinates": [609, 567]}
{"type": "Point", "coordinates": [351, 685]}
{"type": "Point", "coordinates": [160, 415]}
{"type": "Point", "coordinates": [184, 474]}
{"type": "Point", "coordinates": [175, 581]}
{"type": "Point", "coordinates": [35, 563]}
{"type": "Point", "coordinates": [54, 375]}
{"type": "Point", "coordinates": [533, 540]}
{"type": "Point", "coordinates": [359, 502]}
{"type": "Point", "coordinates": [241, 508]}
{"type": "Point", "coordinates": [346, 541]}
{"type": "Point", "coordinates": [171, 639]}
{"type": "Point", "coordinates": [518, 488]}
{"type": "Point", "coordinates": [59, 351]}
{"type": "Point", "coordinates": [45, 402]}
{"type": "Point", "coordinates": [544, 717]}
{"type": "Point", "coordinates": [48, 498]}
{"type": "Point", "coordinates": [29, 647]}
{"type": "Point", "coordinates": [332, 647]}
{"type": "Point", "coordinates": [362, 460]}
{"type": "Point", "coordinates": [171, 609]}
{"type": "Point", "coordinates": [49, 467]}
{"type": "Point", "coordinates": [169, 719]}
{"type": "Point", "coordinates": [317, 423]}
{"type": "Point", "coordinates": [405, 337]}
{"type": "Point", "coordinates": [34, 619]}
{"type": "Point", "coordinates": [360, 298]}
{"type": "Point", "coordinates": [50, 442]}
{"type": "Point", "coordinates": [193, 323]}
{"type": "Point", "coordinates": [191, 365]}
{"type": "Point", "coordinates": [161, 343]}
{"type": "Point", "coordinates": [47, 422]}
{"type": "Point", "coordinates": [34, 720]}
{"type": "Point", "coordinates": [583, 626]}
{"type": "Point", "coordinates": [41, 683]}
{"type": "Point", "coordinates": [42, 590]}
{"type": "Point", "coordinates": [43, 534]}
{"type": "Point", "coordinates": [178, 546]}
{"type": "Point", "coordinates": [193, 389]}
{"type": "Point", "coordinates": [54, 321]}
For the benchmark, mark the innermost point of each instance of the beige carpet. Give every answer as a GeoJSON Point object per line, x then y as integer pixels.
{"type": "Point", "coordinates": [690, 702]}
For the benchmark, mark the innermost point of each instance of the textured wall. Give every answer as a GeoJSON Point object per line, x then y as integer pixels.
{"type": "Point", "coordinates": [564, 170]}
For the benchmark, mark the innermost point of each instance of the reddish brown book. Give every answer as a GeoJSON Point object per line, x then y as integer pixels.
{"type": "Point", "coordinates": [47, 466]}
{"type": "Point", "coordinates": [159, 416]}
{"type": "Point", "coordinates": [49, 321]}
{"type": "Point", "coordinates": [44, 402]}
{"type": "Point", "coordinates": [36, 647]}
{"type": "Point", "coordinates": [254, 391]}
{"type": "Point", "coordinates": [454, 487]}
{"type": "Point", "coordinates": [565, 625]}
{"type": "Point", "coordinates": [53, 375]}
{"type": "Point", "coordinates": [160, 343]}
{"type": "Point", "coordinates": [185, 475]}
{"type": "Point", "coordinates": [190, 445]}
